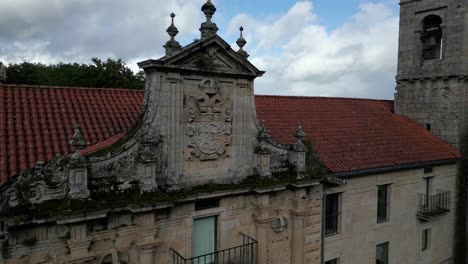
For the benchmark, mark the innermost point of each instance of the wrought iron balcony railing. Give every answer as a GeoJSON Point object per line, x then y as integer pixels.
{"type": "Point", "coordinates": [431, 206]}
{"type": "Point", "coordinates": [246, 253]}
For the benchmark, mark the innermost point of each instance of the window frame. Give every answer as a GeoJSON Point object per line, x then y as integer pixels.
{"type": "Point", "coordinates": [386, 245]}
{"type": "Point", "coordinates": [216, 231]}
{"type": "Point", "coordinates": [335, 227]}
{"type": "Point", "coordinates": [386, 205]}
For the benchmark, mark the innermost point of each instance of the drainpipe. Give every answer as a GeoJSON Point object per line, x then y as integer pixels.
{"type": "Point", "coordinates": [322, 233]}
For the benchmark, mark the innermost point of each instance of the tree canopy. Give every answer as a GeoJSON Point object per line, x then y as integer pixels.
{"type": "Point", "coordinates": [99, 74]}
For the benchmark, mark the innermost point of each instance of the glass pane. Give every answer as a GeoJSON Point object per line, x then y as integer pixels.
{"type": "Point", "coordinates": [204, 239]}
{"type": "Point", "coordinates": [333, 261]}
{"type": "Point", "coordinates": [332, 214]}
{"type": "Point", "coordinates": [382, 197]}
{"type": "Point", "coordinates": [382, 254]}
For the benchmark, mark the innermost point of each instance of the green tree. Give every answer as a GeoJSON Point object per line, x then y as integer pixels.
{"type": "Point", "coordinates": [98, 74]}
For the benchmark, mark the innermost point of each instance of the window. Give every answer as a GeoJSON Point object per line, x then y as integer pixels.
{"type": "Point", "coordinates": [431, 37]}
{"type": "Point", "coordinates": [333, 261]}
{"type": "Point", "coordinates": [427, 190]}
{"type": "Point", "coordinates": [332, 214]}
{"type": "Point", "coordinates": [206, 204]}
{"type": "Point", "coordinates": [428, 170]}
{"type": "Point", "coordinates": [383, 202]}
{"type": "Point", "coordinates": [381, 254]}
{"type": "Point", "coordinates": [204, 238]}
{"type": "Point", "coordinates": [426, 233]}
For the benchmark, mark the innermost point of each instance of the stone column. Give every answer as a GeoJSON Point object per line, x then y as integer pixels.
{"type": "Point", "coordinates": [297, 239]}
{"type": "Point", "coordinates": [262, 223]}
{"type": "Point", "coordinates": [79, 244]}
{"type": "Point", "coordinates": [147, 254]}
{"type": "Point", "coordinates": [147, 242]}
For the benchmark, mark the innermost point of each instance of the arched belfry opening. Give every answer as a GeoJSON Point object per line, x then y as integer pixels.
{"type": "Point", "coordinates": [432, 38]}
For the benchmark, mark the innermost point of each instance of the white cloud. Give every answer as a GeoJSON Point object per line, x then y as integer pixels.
{"type": "Point", "coordinates": [300, 56]}
{"type": "Point", "coordinates": [48, 31]}
{"type": "Point", "coordinates": [356, 60]}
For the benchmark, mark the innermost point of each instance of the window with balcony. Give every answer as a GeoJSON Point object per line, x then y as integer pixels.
{"type": "Point", "coordinates": [245, 252]}
{"type": "Point", "coordinates": [381, 255]}
{"type": "Point", "coordinates": [332, 214]}
{"type": "Point", "coordinates": [432, 205]}
{"type": "Point", "coordinates": [383, 203]}
{"type": "Point", "coordinates": [204, 238]}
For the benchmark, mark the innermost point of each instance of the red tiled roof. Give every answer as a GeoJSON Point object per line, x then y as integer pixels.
{"type": "Point", "coordinates": [352, 134]}
{"type": "Point", "coordinates": [36, 123]}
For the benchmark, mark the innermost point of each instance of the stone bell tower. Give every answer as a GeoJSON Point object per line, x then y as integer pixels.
{"type": "Point", "coordinates": [432, 86]}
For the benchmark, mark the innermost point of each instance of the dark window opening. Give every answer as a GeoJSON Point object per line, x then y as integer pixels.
{"type": "Point", "coordinates": [382, 203]}
{"type": "Point", "coordinates": [332, 214]}
{"type": "Point", "coordinates": [382, 254]}
{"type": "Point", "coordinates": [428, 127]}
{"type": "Point", "coordinates": [425, 239]}
{"type": "Point", "coordinates": [206, 204]}
{"type": "Point", "coordinates": [431, 37]}
{"type": "Point", "coordinates": [333, 261]}
{"type": "Point", "coordinates": [428, 170]}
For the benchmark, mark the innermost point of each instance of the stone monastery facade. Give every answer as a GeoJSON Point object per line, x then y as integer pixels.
{"type": "Point", "coordinates": [198, 169]}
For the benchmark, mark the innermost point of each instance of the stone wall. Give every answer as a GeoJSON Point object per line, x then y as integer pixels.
{"type": "Point", "coordinates": [436, 104]}
{"type": "Point", "coordinates": [360, 232]}
{"type": "Point", "coordinates": [147, 235]}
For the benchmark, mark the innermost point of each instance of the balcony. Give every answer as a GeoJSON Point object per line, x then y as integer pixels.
{"type": "Point", "coordinates": [432, 206]}
{"type": "Point", "coordinates": [246, 253]}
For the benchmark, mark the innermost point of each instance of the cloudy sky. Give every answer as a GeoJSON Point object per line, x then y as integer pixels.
{"type": "Point", "coordinates": [345, 48]}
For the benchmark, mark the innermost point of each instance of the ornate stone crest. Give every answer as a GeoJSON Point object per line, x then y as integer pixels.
{"type": "Point", "coordinates": [209, 128]}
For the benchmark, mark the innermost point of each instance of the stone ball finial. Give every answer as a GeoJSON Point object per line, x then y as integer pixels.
{"type": "Point", "coordinates": [208, 28]}
{"type": "Point", "coordinates": [172, 45]}
{"type": "Point", "coordinates": [172, 29]}
{"type": "Point", "coordinates": [241, 43]}
{"type": "Point", "coordinates": [208, 9]}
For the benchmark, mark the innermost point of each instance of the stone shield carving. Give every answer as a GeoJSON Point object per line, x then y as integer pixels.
{"type": "Point", "coordinates": [209, 125]}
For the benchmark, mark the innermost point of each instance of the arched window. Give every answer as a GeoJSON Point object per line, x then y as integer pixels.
{"type": "Point", "coordinates": [432, 37]}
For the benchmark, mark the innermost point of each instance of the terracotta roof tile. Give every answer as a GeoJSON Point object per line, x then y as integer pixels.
{"type": "Point", "coordinates": [36, 122]}
{"type": "Point", "coordinates": [348, 134]}
{"type": "Point", "coordinates": [352, 134]}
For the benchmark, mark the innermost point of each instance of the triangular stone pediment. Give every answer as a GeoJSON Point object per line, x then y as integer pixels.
{"type": "Point", "coordinates": [208, 55]}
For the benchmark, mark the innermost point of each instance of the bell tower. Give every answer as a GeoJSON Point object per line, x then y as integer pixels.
{"type": "Point", "coordinates": [432, 86]}
{"type": "Point", "coordinates": [433, 65]}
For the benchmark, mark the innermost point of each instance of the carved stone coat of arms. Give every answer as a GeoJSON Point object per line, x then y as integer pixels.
{"type": "Point", "coordinates": [209, 117]}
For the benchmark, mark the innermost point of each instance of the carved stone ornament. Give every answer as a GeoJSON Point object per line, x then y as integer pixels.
{"type": "Point", "coordinates": [146, 151]}
{"type": "Point", "coordinates": [279, 224]}
{"type": "Point", "coordinates": [209, 122]}
{"type": "Point", "coordinates": [42, 183]}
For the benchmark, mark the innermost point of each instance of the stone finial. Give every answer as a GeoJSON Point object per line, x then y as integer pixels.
{"type": "Point", "coordinates": [241, 43]}
{"type": "Point", "coordinates": [78, 172]}
{"type": "Point", "coordinates": [208, 28]}
{"type": "Point", "coordinates": [78, 141]}
{"type": "Point", "coordinates": [263, 133]}
{"type": "Point", "coordinates": [172, 45]}
{"type": "Point", "coordinates": [299, 134]}
{"type": "Point", "coordinates": [3, 75]}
